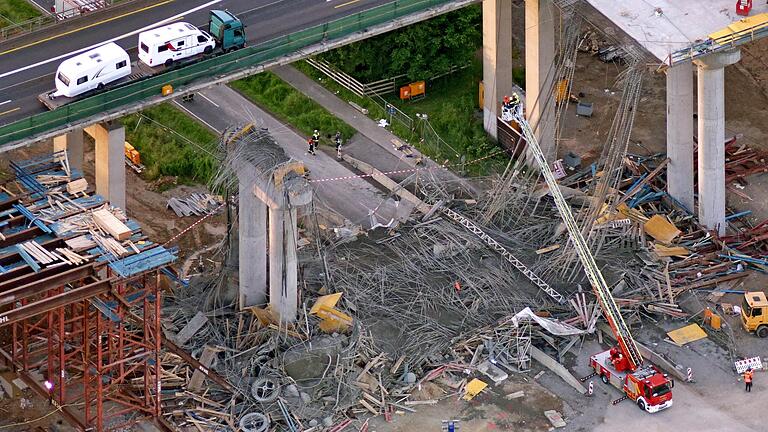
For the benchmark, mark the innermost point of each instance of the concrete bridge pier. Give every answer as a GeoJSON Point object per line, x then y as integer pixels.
{"type": "Point", "coordinates": [72, 143]}
{"type": "Point", "coordinates": [497, 59]}
{"type": "Point", "coordinates": [110, 161]}
{"type": "Point", "coordinates": [711, 137]}
{"type": "Point", "coordinates": [680, 134]}
{"type": "Point", "coordinates": [539, 69]}
{"type": "Point", "coordinates": [252, 223]}
{"type": "Point", "coordinates": [268, 211]}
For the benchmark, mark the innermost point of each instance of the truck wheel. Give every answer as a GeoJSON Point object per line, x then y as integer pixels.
{"type": "Point", "coordinates": [762, 331]}
{"type": "Point", "coordinates": [641, 404]}
{"type": "Point", "coordinates": [208, 49]}
{"type": "Point", "coordinates": [169, 63]}
{"type": "Point", "coordinates": [604, 379]}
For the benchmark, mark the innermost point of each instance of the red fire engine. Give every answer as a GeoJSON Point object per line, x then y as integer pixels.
{"type": "Point", "coordinates": [622, 365]}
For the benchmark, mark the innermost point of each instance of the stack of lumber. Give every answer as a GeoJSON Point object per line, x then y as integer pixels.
{"type": "Point", "coordinates": [105, 220]}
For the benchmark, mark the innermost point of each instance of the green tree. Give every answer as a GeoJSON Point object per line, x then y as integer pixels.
{"type": "Point", "coordinates": [420, 51]}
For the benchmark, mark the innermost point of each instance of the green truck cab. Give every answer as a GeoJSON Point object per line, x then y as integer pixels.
{"type": "Point", "coordinates": [227, 29]}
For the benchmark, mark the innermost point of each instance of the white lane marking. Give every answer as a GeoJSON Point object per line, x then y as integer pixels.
{"type": "Point", "coordinates": [196, 116]}
{"type": "Point", "coordinates": [73, 53]}
{"type": "Point", "coordinates": [3, 103]}
{"type": "Point", "coordinates": [206, 98]}
{"type": "Point", "coordinates": [261, 7]}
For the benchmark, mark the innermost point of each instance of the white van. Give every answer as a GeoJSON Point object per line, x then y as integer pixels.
{"type": "Point", "coordinates": [164, 45]}
{"type": "Point", "coordinates": [91, 70]}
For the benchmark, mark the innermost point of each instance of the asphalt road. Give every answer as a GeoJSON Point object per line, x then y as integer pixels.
{"type": "Point", "coordinates": [28, 70]}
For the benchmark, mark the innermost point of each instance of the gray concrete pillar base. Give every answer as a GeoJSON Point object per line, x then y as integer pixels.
{"type": "Point", "coordinates": [711, 137]}
{"type": "Point", "coordinates": [680, 134]}
{"type": "Point", "coordinates": [252, 232]}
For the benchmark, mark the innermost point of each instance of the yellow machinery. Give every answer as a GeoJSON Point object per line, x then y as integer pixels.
{"type": "Point", "coordinates": [754, 313]}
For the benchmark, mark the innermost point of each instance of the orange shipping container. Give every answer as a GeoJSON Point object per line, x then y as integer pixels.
{"type": "Point", "coordinates": [418, 88]}
{"type": "Point", "coordinates": [405, 92]}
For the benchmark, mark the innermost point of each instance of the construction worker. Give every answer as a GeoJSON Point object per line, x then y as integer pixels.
{"type": "Point", "coordinates": [314, 142]}
{"type": "Point", "coordinates": [337, 139]}
{"type": "Point", "coordinates": [748, 379]}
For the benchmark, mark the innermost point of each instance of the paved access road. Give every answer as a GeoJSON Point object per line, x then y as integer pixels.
{"type": "Point", "coordinates": [27, 67]}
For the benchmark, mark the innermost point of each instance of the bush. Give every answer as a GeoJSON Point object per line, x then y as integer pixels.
{"type": "Point", "coordinates": [289, 105]}
{"type": "Point", "coordinates": [16, 11]}
{"type": "Point", "coordinates": [420, 51]}
{"type": "Point", "coordinates": [172, 144]}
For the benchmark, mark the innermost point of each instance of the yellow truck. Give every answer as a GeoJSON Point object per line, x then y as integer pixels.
{"type": "Point", "coordinates": [754, 313]}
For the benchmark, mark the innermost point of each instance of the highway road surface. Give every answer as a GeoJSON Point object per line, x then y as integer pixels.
{"type": "Point", "coordinates": [27, 67]}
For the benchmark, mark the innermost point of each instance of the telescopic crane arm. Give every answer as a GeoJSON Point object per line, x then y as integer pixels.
{"type": "Point", "coordinates": [603, 293]}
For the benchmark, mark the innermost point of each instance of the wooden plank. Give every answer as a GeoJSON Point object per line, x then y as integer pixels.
{"type": "Point", "coordinates": [206, 358]}
{"type": "Point", "coordinates": [109, 223]}
{"type": "Point", "coordinates": [193, 326]}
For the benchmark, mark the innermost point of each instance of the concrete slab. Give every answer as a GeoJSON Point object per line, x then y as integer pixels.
{"type": "Point", "coordinates": [665, 26]}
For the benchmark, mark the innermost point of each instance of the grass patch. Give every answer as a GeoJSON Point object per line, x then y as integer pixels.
{"type": "Point", "coordinates": [172, 144]}
{"type": "Point", "coordinates": [452, 107]}
{"type": "Point", "coordinates": [289, 105]}
{"type": "Point", "coordinates": [16, 11]}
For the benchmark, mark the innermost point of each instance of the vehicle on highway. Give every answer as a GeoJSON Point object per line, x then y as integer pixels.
{"type": "Point", "coordinates": [91, 70]}
{"type": "Point", "coordinates": [173, 42]}
{"type": "Point", "coordinates": [174, 45]}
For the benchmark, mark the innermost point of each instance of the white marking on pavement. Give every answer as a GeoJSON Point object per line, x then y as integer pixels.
{"type": "Point", "coordinates": [73, 53]}
{"type": "Point", "coordinates": [3, 103]}
{"type": "Point", "coordinates": [206, 98]}
{"type": "Point", "coordinates": [196, 116]}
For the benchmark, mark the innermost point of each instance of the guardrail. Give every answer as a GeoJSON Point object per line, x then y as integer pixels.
{"type": "Point", "coordinates": [17, 29]}
{"type": "Point", "coordinates": [218, 66]}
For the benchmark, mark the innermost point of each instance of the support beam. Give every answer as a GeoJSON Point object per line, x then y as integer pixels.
{"type": "Point", "coordinates": [497, 59]}
{"type": "Point", "coordinates": [539, 70]}
{"type": "Point", "coordinates": [72, 142]}
{"type": "Point", "coordinates": [252, 228]}
{"type": "Point", "coordinates": [110, 161]}
{"type": "Point", "coordinates": [711, 137]}
{"type": "Point", "coordinates": [680, 134]}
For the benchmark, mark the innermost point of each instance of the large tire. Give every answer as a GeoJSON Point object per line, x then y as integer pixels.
{"type": "Point", "coordinates": [169, 63]}
{"type": "Point", "coordinates": [762, 331]}
{"type": "Point", "coordinates": [641, 404]}
{"type": "Point", "coordinates": [604, 379]}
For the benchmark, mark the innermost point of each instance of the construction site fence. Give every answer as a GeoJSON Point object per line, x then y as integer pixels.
{"type": "Point", "coordinates": [430, 141]}
{"type": "Point", "coordinates": [71, 10]}
{"type": "Point", "coordinates": [221, 66]}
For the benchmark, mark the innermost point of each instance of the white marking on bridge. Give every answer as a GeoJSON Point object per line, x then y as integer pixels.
{"type": "Point", "coordinates": [73, 53]}
{"type": "Point", "coordinates": [204, 97]}
{"type": "Point", "coordinates": [196, 116]}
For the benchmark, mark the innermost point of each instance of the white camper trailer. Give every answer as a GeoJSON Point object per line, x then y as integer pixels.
{"type": "Point", "coordinates": [91, 70]}
{"type": "Point", "coordinates": [164, 45]}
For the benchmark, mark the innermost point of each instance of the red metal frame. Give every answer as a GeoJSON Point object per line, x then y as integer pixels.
{"type": "Point", "coordinates": [107, 364]}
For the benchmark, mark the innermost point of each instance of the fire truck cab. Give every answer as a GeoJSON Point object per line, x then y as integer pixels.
{"type": "Point", "coordinates": [650, 389]}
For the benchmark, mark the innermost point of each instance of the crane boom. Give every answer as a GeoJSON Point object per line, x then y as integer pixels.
{"type": "Point", "coordinates": [613, 315]}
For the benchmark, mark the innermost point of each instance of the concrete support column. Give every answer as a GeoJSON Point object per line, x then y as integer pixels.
{"type": "Point", "coordinates": [497, 59]}
{"type": "Point", "coordinates": [110, 161]}
{"type": "Point", "coordinates": [252, 231]}
{"type": "Point", "coordinates": [539, 70]}
{"type": "Point", "coordinates": [72, 142]}
{"type": "Point", "coordinates": [711, 137]}
{"type": "Point", "coordinates": [283, 295]}
{"type": "Point", "coordinates": [680, 133]}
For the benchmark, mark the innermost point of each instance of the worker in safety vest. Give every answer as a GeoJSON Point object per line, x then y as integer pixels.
{"type": "Point", "coordinates": [337, 139]}
{"type": "Point", "coordinates": [748, 379]}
